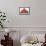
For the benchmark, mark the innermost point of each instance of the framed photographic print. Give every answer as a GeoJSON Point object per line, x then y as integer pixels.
{"type": "Point", "coordinates": [24, 10]}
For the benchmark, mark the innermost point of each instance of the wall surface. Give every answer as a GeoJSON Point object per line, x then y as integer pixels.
{"type": "Point", "coordinates": [36, 21]}
{"type": "Point", "coordinates": [37, 17]}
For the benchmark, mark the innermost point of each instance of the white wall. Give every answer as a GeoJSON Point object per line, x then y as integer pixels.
{"type": "Point", "coordinates": [38, 13]}
{"type": "Point", "coordinates": [36, 19]}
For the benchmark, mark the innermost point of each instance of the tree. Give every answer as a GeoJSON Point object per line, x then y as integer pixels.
{"type": "Point", "coordinates": [2, 19]}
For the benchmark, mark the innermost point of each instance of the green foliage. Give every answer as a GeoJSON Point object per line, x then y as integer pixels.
{"type": "Point", "coordinates": [2, 19]}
